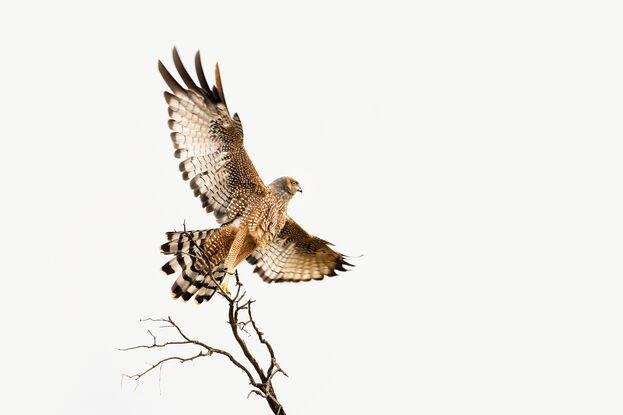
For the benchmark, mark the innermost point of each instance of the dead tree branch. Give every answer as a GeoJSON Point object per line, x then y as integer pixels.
{"type": "Point", "coordinates": [239, 317]}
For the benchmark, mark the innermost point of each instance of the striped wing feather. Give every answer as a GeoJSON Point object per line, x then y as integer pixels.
{"type": "Point", "coordinates": [210, 143]}
{"type": "Point", "coordinates": [295, 255]}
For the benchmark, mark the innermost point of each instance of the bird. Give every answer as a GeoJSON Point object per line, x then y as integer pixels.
{"type": "Point", "coordinates": [254, 222]}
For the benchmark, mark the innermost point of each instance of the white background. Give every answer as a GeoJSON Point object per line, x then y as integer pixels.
{"type": "Point", "coordinates": [470, 150]}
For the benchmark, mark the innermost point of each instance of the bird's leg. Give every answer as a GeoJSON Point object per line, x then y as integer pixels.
{"type": "Point", "coordinates": [225, 283]}
{"type": "Point", "coordinates": [232, 256]}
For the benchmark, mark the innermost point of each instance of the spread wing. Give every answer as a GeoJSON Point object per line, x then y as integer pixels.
{"type": "Point", "coordinates": [295, 255]}
{"type": "Point", "coordinates": [210, 143]}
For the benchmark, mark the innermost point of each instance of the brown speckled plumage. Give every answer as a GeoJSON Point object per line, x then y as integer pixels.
{"type": "Point", "coordinates": [255, 226]}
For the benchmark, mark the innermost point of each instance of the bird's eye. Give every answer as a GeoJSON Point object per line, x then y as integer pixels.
{"type": "Point", "coordinates": [294, 183]}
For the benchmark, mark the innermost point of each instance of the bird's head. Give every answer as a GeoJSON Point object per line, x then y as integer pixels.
{"type": "Point", "coordinates": [287, 185]}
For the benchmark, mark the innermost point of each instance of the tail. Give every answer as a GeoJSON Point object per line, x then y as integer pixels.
{"type": "Point", "coordinates": [200, 256]}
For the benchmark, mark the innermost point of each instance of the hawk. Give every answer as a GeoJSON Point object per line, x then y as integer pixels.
{"type": "Point", "coordinates": [254, 220]}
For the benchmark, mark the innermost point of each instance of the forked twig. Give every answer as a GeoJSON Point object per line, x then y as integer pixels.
{"type": "Point", "coordinates": [260, 380]}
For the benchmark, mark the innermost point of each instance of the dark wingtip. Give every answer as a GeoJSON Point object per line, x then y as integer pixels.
{"type": "Point", "coordinates": [343, 263]}
{"type": "Point", "coordinates": [168, 78]}
{"type": "Point", "coordinates": [202, 77]}
{"type": "Point", "coordinates": [188, 80]}
{"type": "Point", "coordinates": [219, 85]}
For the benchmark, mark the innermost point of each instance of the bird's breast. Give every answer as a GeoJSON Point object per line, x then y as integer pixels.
{"type": "Point", "coordinates": [265, 219]}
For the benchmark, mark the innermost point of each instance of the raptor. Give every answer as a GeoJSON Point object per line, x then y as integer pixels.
{"type": "Point", "coordinates": [255, 225]}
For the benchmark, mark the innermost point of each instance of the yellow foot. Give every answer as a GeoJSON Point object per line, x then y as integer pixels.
{"type": "Point", "coordinates": [225, 283]}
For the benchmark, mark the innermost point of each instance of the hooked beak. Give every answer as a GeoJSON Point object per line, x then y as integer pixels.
{"type": "Point", "coordinates": [298, 188]}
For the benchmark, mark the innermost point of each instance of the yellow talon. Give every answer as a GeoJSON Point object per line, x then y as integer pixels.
{"type": "Point", "coordinates": [225, 283]}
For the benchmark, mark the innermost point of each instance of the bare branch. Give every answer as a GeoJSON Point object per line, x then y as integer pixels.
{"type": "Point", "coordinates": [150, 346]}
{"type": "Point", "coordinates": [236, 309]}
{"type": "Point", "coordinates": [162, 361]}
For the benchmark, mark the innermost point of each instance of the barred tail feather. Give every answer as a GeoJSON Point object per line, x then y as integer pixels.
{"type": "Point", "coordinates": [208, 287]}
{"type": "Point", "coordinates": [199, 257]}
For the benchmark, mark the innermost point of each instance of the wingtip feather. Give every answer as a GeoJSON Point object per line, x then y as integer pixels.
{"type": "Point", "coordinates": [219, 85]}
{"type": "Point", "coordinates": [188, 80]}
{"type": "Point", "coordinates": [170, 81]}
{"type": "Point", "coordinates": [201, 75]}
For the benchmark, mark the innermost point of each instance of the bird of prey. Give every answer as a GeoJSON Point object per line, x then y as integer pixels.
{"type": "Point", "coordinates": [254, 221]}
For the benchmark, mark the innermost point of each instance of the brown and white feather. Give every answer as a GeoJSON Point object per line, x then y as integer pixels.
{"type": "Point", "coordinates": [210, 144]}
{"type": "Point", "coordinates": [295, 255]}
